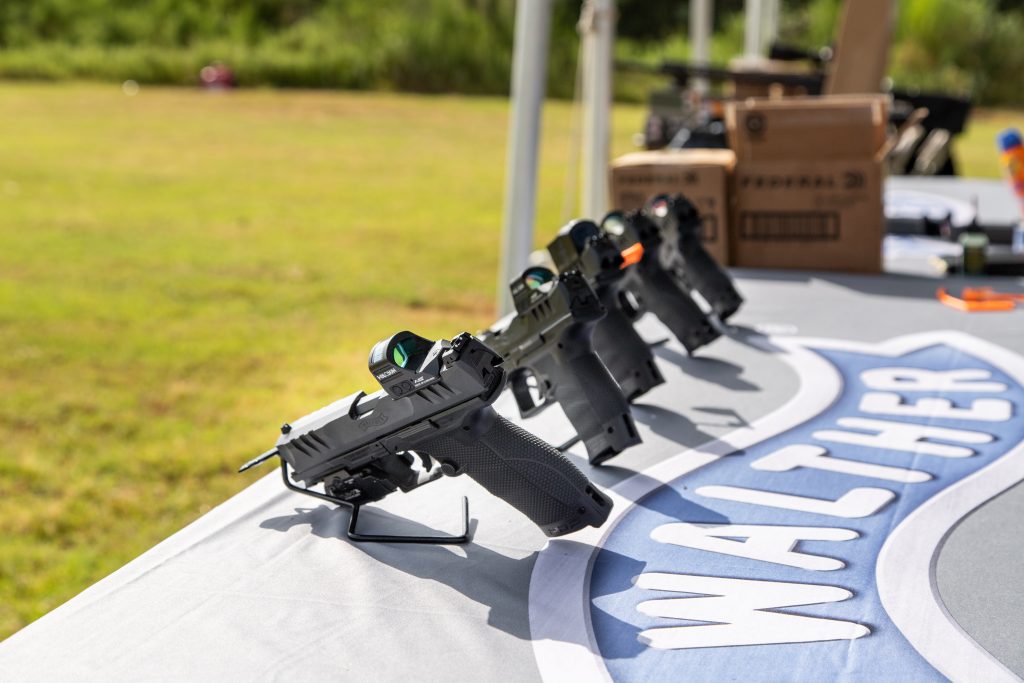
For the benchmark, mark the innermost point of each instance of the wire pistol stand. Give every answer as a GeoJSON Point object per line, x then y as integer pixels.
{"type": "Point", "coordinates": [353, 520]}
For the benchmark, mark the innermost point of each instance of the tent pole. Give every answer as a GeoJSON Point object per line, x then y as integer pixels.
{"type": "Point", "coordinates": [529, 81]}
{"type": "Point", "coordinates": [701, 13]}
{"type": "Point", "coordinates": [597, 28]}
{"type": "Point", "coordinates": [752, 29]}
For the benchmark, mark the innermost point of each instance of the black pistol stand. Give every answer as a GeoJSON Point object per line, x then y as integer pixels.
{"type": "Point", "coordinates": [354, 535]}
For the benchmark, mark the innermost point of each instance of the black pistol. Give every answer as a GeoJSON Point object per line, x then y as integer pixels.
{"type": "Point", "coordinates": [435, 407]}
{"type": "Point", "coordinates": [582, 246]}
{"type": "Point", "coordinates": [680, 222]}
{"type": "Point", "coordinates": [549, 340]}
{"type": "Point", "coordinates": [653, 280]}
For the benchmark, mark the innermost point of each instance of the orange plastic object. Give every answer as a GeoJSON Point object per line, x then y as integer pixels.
{"type": "Point", "coordinates": [988, 294]}
{"type": "Point", "coordinates": [973, 305]}
{"type": "Point", "coordinates": [631, 255]}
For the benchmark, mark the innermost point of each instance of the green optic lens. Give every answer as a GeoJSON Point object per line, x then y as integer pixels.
{"type": "Point", "coordinates": [535, 279]}
{"type": "Point", "coordinates": [401, 357]}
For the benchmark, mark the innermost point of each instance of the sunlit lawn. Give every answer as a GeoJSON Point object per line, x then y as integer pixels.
{"type": "Point", "coordinates": [181, 272]}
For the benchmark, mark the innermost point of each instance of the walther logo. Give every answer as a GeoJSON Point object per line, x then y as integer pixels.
{"type": "Point", "coordinates": [371, 421]}
{"type": "Point", "coordinates": [807, 539]}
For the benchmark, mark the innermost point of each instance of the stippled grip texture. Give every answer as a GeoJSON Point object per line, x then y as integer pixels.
{"type": "Point", "coordinates": [676, 309]}
{"type": "Point", "coordinates": [525, 471]}
{"type": "Point", "coordinates": [590, 397]}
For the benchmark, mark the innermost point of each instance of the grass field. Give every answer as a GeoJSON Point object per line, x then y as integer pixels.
{"type": "Point", "coordinates": [181, 272]}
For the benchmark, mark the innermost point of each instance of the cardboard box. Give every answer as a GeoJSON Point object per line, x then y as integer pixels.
{"type": "Point", "coordinates": [701, 175]}
{"type": "Point", "coordinates": [807, 190]}
{"type": "Point", "coordinates": [811, 128]}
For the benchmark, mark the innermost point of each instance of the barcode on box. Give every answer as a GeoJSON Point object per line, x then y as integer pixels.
{"type": "Point", "coordinates": [789, 226]}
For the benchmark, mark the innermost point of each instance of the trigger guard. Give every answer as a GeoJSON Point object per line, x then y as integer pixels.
{"type": "Point", "coordinates": [631, 304]}
{"type": "Point", "coordinates": [429, 473]}
{"type": "Point", "coordinates": [524, 400]}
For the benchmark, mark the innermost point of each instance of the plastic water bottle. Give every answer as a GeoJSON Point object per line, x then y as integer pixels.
{"type": "Point", "coordinates": [1011, 149]}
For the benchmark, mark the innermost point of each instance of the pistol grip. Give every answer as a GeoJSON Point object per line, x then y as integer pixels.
{"type": "Point", "coordinates": [590, 398]}
{"type": "Point", "coordinates": [708, 277]}
{"type": "Point", "coordinates": [676, 309]}
{"type": "Point", "coordinates": [526, 472]}
{"type": "Point", "coordinates": [626, 355]}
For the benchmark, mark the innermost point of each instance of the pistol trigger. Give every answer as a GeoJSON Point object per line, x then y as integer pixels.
{"type": "Point", "coordinates": [539, 404]}
{"type": "Point", "coordinates": [547, 392]}
{"type": "Point", "coordinates": [427, 461]}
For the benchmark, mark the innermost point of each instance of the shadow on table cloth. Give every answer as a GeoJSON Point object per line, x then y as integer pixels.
{"type": "Point", "coordinates": [708, 368]}
{"type": "Point", "coordinates": [484, 576]}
